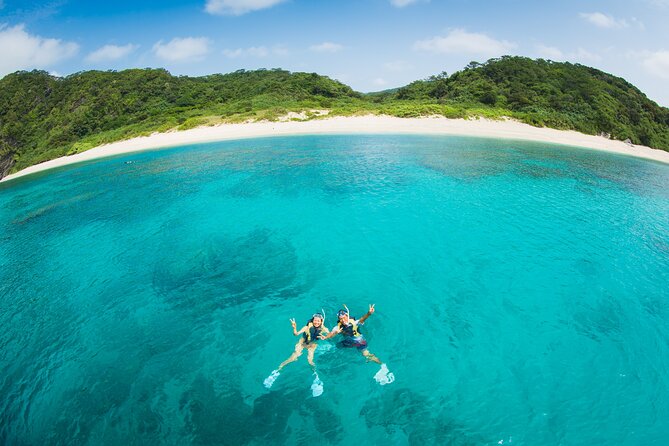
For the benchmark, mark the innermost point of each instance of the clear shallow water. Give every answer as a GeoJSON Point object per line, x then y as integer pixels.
{"type": "Point", "coordinates": [521, 294]}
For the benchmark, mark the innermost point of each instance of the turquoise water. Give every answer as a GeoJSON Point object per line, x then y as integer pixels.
{"type": "Point", "coordinates": [520, 289]}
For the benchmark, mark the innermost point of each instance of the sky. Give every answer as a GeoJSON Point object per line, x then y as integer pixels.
{"type": "Point", "coordinates": [370, 45]}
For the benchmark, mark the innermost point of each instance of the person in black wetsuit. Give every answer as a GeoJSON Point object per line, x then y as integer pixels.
{"type": "Point", "coordinates": [348, 327]}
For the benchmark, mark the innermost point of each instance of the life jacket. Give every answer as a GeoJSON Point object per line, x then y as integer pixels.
{"type": "Point", "coordinates": [349, 330]}
{"type": "Point", "coordinates": [312, 333]}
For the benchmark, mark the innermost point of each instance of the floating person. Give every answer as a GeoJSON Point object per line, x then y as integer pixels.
{"type": "Point", "coordinates": [349, 328]}
{"type": "Point", "coordinates": [313, 331]}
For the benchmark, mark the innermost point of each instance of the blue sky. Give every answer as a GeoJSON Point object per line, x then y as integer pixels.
{"type": "Point", "coordinates": [368, 44]}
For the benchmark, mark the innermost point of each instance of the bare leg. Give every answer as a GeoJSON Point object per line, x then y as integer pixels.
{"type": "Point", "coordinates": [310, 355]}
{"type": "Point", "coordinates": [296, 354]}
{"type": "Point", "coordinates": [371, 356]}
{"type": "Point", "coordinates": [317, 386]}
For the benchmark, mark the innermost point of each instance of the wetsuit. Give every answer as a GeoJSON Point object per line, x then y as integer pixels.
{"type": "Point", "coordinates": [312, 333]}
{"type": "Point", "coordinates": [352, 336]}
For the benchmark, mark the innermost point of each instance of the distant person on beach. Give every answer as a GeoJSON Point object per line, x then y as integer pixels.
{"type": "Point", "coordinates": [349, 328]}
{"type": "Point", "coordinates": [313, 331]}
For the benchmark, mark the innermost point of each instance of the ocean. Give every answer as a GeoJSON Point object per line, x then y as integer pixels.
{"type": "Point", "coordinates": [521, 295]}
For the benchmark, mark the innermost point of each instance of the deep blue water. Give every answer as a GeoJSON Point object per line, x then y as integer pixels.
{"type": "Point", "coordinates": [521, 292]}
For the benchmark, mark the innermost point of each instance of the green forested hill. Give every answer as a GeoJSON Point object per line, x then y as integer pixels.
{"type": "Point", "coordinates": [44, 117]}
{"type": "Point", "coordinates": [558, 95]}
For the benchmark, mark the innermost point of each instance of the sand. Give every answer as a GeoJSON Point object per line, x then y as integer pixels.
{"type": "Point", "coordinates": [370, 124]}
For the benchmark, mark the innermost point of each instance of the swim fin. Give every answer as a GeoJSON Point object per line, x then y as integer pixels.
{"type": "Point", "coordinates": [316, 386]}
{"type": "Point", "coordinates": [384, 376]}
{"type": "Point", "coordinates": [271, 378]}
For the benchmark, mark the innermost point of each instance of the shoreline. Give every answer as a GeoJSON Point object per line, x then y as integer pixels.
{"type": "Point", "coordinates": [370, 124]}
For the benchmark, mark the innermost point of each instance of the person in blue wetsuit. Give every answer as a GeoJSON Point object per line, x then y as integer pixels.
{"type": "Point", "coordinates": [349, 328]}
{"type": "Point", "coordinates": [313, 331]}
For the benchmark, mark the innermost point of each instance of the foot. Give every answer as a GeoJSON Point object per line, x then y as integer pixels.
{"type": "Point", "coordinates": [317, 386]}
{"type": "Point", "coordinates": [271, 378]}
{"type": "Point", "coordinates": [384, 376]}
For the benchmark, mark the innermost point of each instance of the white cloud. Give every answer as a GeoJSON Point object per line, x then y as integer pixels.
{"type": "Point", "coordinates": [602, 20]}
{"type": "Point", "coordinates": [461, 41]}
{"type": "Point", "coordinates": [238, 7]}
{"type": "Point", "coordinates": [638, 23]}
{"type": "Point", "coordinates": [233, 53]}
{"type": "Point", "coordinates": [379, 82]}
{"type": "Point", "coordinates": [556, 54]}
{"type": "Point", "coordinates": [398, 65]}
{"type": "Point", "coordinates": [583, 55]}
{"type": "Point", "coordinates": [326, 47]}
{"type": "Point", "coordinates": [187, 49]}
{"type": "Point", "coordinates": [549, 52]}
{"type": "Point", "coordinates": [403, 3]}
{"type": "Point", "coordinates": [657, 63]}
{"type": "Point", "coordinates": [280, 50]}
{"type": "Point", "coordinates": [255, 51]}
{"type": "Point", "coordinates": [22, 51]}
{"type": "Point", "coordinates": [111, 52]}
{"type": "Point", "coordinates": [659, 3]}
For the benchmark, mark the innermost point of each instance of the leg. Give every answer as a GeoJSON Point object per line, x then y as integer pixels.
{"type": "Point", "coordinates": [311, 349]}
{"type": "Point", "coordinates": [317, 386]}
{"type": "Point", "coordinates": [370, 356]}
{"type": "Point", "coordinates": [296, 354]}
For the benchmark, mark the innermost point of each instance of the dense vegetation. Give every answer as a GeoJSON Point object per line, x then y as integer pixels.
{"type": "Point", "coordinates": [557, 95]}
{"type": "Point", "coordinates": [44, 117]}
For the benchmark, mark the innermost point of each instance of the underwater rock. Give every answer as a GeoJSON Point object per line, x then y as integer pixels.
{"type": "Point", "coordinates": [224, 271]}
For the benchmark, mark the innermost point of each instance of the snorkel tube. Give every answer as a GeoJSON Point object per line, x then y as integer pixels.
{"type": "Point", "coordinates": [346, 312]}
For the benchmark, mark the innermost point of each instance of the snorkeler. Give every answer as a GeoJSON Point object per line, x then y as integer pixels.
{"type": "Point", "coordinates": [311, 332]}
{"type": "Point", "coordinates": [350, 329]}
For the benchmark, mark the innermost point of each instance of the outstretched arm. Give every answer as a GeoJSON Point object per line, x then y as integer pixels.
{"type": "Point", "coordinates": [331, 334]}
{"type": "Point", "coordinates": [368, 314]}
{"type": "Point", "coordinates": [324, 332]}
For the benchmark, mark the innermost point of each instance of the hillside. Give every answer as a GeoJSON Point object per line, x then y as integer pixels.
{"type": "Point", "coordinates": [43, 117]}
{"type": "Point", "coordinates": [550, 94]}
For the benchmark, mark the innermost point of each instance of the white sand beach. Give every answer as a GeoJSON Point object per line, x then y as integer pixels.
{"type": "Point", "coordinates": [371, 124]}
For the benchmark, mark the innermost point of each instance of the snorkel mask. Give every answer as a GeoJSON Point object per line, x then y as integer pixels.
{"type": "Point", "coordinates": [346, 312]}
{"type": "Point", "coordinates": [320, 316]}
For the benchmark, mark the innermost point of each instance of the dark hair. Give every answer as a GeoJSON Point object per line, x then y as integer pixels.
{"type": "Point", "coordinates": [316, 315]}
